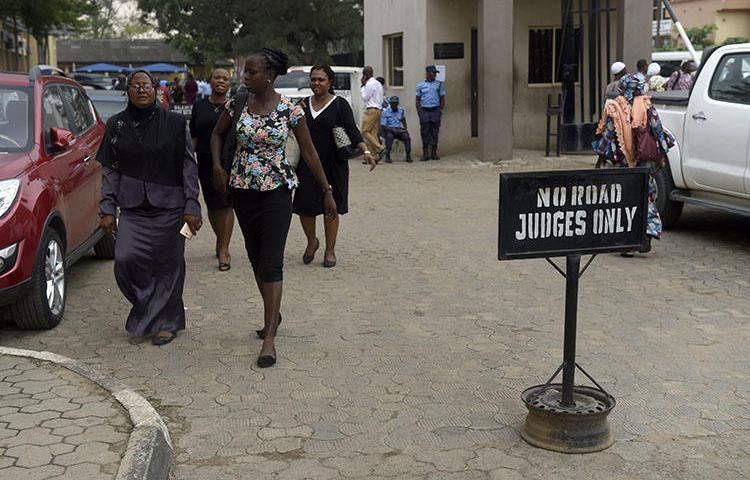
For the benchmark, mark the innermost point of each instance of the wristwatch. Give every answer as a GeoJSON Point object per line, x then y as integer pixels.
{"type": "Point", "coordinates": [329, 188]}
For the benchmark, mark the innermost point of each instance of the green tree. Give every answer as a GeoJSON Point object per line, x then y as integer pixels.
{"type": "Point", "coordinates": [41, 17]}
{"type": "Point", "coordinates": [305, 29]}
{"type": "Point", "coordinates": [699, 36]}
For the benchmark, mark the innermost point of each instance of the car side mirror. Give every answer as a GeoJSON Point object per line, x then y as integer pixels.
{"type": "Point", "coordinates": [62, 139]}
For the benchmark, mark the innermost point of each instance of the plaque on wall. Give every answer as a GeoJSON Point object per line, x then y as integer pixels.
{"type": "Point", "coordinates": [448, 50]}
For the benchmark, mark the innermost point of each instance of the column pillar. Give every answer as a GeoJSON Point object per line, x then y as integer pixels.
{"type": "Point", "coordinates": [634, 19]}
{"type": "Point", "coordinates": [495, 31]}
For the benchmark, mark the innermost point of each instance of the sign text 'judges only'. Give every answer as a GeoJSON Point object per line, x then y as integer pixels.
{"type": "Point", "coordinates": [548, 214]}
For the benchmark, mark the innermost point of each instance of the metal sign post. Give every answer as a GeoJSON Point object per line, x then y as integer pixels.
{"type": "Point", "coordinates": [547, 214]}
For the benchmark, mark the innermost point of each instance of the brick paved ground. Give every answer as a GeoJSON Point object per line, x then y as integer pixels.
{"type": "Point", "coordinates": [407, 360]}
{"type": "Point", "coordinates": [56, 424]}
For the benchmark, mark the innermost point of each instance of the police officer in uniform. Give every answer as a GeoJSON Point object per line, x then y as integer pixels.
{"type": "Point", "coordinates": [430, 104]}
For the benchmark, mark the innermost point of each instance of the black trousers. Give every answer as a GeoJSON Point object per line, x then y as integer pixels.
{"type": "Point", "coordinates": [264, 219]}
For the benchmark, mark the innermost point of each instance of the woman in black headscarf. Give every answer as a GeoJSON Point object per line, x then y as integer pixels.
{"type": "Point", "coordinates": [150, 173]}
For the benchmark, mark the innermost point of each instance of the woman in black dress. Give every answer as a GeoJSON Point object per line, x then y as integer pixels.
{"type": "Point", "coordinates": [206, 113]}
{"type": "Point", "coordinates": [324, 111]}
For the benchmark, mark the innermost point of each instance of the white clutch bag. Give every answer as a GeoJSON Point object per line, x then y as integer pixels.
{"type": "Point", "coordinates": [292, 151]}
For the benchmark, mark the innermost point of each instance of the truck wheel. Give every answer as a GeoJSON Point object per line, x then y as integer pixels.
{"type": "Point", "coordinates": [44, 306]}
{"type": "Point", "coordinates": [669, 210]}
{"type": "Point", "coordinates": [105, 247]}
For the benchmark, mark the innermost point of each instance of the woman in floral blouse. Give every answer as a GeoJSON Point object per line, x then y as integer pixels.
{"type": "Point", "coordinates": [261, 179]}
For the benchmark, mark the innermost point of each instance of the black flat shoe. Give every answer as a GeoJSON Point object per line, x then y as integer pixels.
{"type": "Point", "coordinates": [307, 259]}
{"type": "Point", "coordinates": [163, 339]}
{"type": "Point", "coordinates": [265, 361]}
{"type": "Point", "coordinates": [262, 332]}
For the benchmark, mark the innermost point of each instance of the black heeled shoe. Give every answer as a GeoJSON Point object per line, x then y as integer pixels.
{"type": "Point", "coordinates": [265, 361]}
{"type": "Point", "coordinates": [307, 259]}
{"type": "Point", "coordinates": [262, 332]}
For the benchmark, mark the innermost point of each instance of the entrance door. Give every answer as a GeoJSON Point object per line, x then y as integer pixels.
{"type": "Point", "coordinates": [474, 83]}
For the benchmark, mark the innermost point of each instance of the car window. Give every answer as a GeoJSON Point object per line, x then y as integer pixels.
{"type": "Point", "coordinates": [15, 127]}
{"type": "Point", "coordinates": [342, 81]}
{"type": "Point", "coordinates": [83, 118]}
{"type": "Point", "coordinates": [731, 81]}
{"type": "Point", "coordinates": [54, 114]}
{"type": "Point", "coordinates": [296, 79]}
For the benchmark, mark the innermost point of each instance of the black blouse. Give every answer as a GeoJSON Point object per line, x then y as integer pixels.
{"type": "Point", "coordinates": [202, 121]}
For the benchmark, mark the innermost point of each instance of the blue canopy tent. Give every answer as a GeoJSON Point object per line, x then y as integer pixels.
{"type": "Point", "coordinates": [161, 68]}
{"type": "Point", "coordinates": [101, 67]}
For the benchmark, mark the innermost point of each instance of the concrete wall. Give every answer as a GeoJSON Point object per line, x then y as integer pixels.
{"type": "Point", "coordinates": [733, 23]}
{"type": "Point", "coordinates": [387, 17]}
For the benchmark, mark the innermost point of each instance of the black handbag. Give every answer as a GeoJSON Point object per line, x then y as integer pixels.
{"type": "Point", "coordinates": [344, 147]}
{"type": "Point", "coordinates": [230, 140]}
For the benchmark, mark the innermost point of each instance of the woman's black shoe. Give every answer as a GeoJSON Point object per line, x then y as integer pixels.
{"type": "Point", "coordinates": [265, 361]}
{"type": "Point", "coordinates": [307, 259]}
{"type": "Point", "coordinates": [164, 339]}
{"type": "Point", "coordinates": [262, 333]}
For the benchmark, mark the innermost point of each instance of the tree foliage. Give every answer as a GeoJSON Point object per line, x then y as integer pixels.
{"type": "Point", "coordinates": [306, 30]}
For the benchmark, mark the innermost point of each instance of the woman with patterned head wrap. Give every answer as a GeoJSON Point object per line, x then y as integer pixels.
{"type": "Point", "coordinates": [616, 139]}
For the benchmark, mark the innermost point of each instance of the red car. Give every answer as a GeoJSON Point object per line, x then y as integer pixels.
{"type": "Point", "coordinates": [50, 184]}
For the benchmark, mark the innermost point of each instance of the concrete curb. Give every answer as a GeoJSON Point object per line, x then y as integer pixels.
{"type": "Point", "coordinates": [149, 451]}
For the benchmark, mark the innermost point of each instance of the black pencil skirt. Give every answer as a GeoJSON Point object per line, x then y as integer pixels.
{"type": "Point", "coordinates": [264, 219]}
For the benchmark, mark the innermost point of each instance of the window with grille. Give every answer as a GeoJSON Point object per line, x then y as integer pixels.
{"type": "Point", "coordinates": [394, 60]}
{"type": "Point", "coordinates": [545, 46]}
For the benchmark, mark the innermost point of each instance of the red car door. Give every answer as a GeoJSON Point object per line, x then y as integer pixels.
{"type": "Point", "coordinates": [63, 169]}
{"type": "Point", "coordinates": [88, 136]}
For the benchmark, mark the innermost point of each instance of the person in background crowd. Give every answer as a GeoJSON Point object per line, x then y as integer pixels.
{"type": "Point", "coordinates": [175, 91]}
{"type": "Point", "coordinates": [682, 79]}
{"type": "Point", "coordinates": [656, 83]}
{"type": "Point", "coordinates": [261, 178]}
{"type": "Point", "coordinates": [149, 172]}
{"type": "Point", "coordinates": [191, 89]}
{"type": "Point", "coordinates": [121, 84]}
{"type": "Point", "coordinates": [381, 80]}
{"type": "Point", "coordinates": [323, 112]}
{"type": "Point", "coordinates": [372, 97]}
{"type": "Point", "coordinates": [162, 94]}
{"type": "Point", "coordinates": [393, 121]}
{"type": "Point", "coordinates": [204, 89]}
{"type": "Point", "coordinates": [616, 140]}
{"type": "Point", "coordinates": [618, 71]}
{"type": "Point", "coordinates": [430, 105]}
{"type": "Point", "coordinates": [205, 114]}
{"type": "Point", "coordinates": [641, 68]}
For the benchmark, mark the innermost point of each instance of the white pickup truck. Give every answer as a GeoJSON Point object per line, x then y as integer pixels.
{"type": "Point", "coordinates": [710, 164]}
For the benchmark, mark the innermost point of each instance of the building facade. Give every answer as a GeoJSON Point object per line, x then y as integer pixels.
{"type": "Point", "coordinates": [501, 61]}
{"type": "Point", "coordinates": [21, 51]}
{"type": "Point", "coordinates": [731, 17]}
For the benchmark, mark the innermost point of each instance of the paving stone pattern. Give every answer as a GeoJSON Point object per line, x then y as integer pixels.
{"type": "Point", "coordinates": [407, 360]}
{"type": "Point", "coordinates": [56, 424]}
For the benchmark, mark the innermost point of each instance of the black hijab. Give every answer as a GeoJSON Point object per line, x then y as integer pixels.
{"type": "Point", "coordinates": [145, 143]}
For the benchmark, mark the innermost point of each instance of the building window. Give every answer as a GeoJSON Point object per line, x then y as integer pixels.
{"type": "Point", "coordinates": [545, 45]}
{"type": "Point", "coordinates": [394, 60]}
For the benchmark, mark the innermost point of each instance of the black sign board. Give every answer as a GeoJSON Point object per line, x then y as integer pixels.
{"type": "Point", "coordinates": [551, 214]}
{"type": "Point", "coordinates": [448, 50]}
{"type": "Point", "coordinates": [184, 108]}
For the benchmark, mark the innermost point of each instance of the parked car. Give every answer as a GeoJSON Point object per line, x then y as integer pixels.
{"type": "Point", "coordinates": [50, 186]}
{"type": "Point", "coordinates": [92, 80]}
{"type": "Point", "coordinates": [710, 164]}
{"type": "Point", "coordinates": [108, 102]}
{"type": "Point", "coordinates": [296, 84]}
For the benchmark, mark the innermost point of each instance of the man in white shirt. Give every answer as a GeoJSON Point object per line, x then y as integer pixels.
{"type": "Point", "coordinates": [372, 98]}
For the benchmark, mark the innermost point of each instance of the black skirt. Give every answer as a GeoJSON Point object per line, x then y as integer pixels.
{"type": "Point", "coordinates": [214, 199]}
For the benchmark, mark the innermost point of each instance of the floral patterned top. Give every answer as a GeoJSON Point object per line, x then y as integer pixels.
{"type": "Point", "coordinates": [260, 161]}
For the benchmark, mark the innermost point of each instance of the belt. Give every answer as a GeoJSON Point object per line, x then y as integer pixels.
{"type": "Point", "coordinates": [430, 109]}
{"type": "Point", "coordinates": [373, 108]}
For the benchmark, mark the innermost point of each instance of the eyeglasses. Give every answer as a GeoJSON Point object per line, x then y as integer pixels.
{"type": "Point", "coordinates": [146, 87]}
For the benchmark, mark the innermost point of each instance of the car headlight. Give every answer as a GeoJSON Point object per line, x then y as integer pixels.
{"type": "Point", "coordinates": [8, 193]}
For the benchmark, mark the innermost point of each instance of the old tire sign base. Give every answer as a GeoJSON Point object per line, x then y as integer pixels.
{"type": "Point", "coordinates": [570, 213]}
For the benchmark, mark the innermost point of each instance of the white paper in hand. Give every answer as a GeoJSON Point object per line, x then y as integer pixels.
{"type": "Point", "coordinates": [186, 232]}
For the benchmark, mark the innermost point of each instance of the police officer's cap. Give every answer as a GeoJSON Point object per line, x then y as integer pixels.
{"type": "Point", "coordinates": [393, 99]}
{"type": "Point", "coordinates": [431, 69]}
